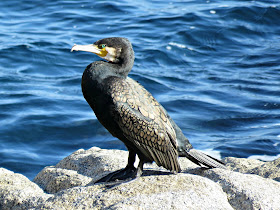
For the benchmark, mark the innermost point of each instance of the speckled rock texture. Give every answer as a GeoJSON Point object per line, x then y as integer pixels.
{"type": "Point", "coordinates": [247, 184]}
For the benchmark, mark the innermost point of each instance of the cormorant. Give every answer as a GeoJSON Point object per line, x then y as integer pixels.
{"type": "Point", "coordinates": [130, 113]}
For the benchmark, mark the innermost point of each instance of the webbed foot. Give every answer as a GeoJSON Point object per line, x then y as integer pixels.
{"type": "Point", "coordinates": [122, 174]}
{"type": "Point", "coordinates": [126, 174]}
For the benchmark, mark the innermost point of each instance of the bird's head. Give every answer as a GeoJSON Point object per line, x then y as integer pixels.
{"type": "Point", "coordinates": [110, 49]}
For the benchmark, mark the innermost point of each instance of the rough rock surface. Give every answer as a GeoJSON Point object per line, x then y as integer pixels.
{"type": "Point", "coordinates": [249, 166]}
{"type": "Point", "coordinates": [18, 192]}
{"type": "Point", "coordinates": [248, 184]}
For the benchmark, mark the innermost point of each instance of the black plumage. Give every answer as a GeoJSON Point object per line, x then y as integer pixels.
{"type": "Point", "coordinates": [130, 113]}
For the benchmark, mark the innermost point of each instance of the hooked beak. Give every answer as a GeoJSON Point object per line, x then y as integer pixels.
{"type": "Point", "coordinates": [107, 53]}
{"type": "Point", "coordinates": [87, 48]}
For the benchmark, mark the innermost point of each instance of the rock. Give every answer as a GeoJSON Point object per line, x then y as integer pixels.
{"type": "Point", "coordinates": [182, 191]}
{"type": "Point", "coordinates": [242, 165]}
{"type": "Point", "coordinates": [247, 191]}
{"type": "Point", "coordinates": [80, 168]}
{"type": "Point", "coordinates": [249, 166]}
{"type": "Point", "coordinates": [268, 170]}
{"type": "Point", "coordinates": [18, 192]}
{"type": "Point", "coordinates": [94, 162]}
{"type": "Point", "coordinates": [70, 184]}
{"type": "Point", "coordinates": [53, 180]}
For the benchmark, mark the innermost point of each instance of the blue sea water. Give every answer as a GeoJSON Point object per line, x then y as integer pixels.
{"type": "Point", "coordinates": [214, 65]}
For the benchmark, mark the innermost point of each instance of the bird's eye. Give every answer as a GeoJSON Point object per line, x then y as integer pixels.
{"type": "Point", "coordinates": [103, 45]}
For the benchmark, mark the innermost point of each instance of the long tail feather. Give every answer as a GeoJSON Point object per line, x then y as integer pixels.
{"type": "Point", "coordinates": [202, 159]}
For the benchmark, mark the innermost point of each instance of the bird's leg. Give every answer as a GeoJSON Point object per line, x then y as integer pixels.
{"type": "Point", "coordinates": [139, 169]}
{"type": "Point", "coordinates": [126, 173]}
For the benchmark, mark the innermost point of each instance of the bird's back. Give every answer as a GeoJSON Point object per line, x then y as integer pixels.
{"type": "Point", "coordinates": [143, 122]}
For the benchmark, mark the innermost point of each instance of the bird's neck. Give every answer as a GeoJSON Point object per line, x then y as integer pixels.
{"type": "Point", "coordinates": [126, 63]}
{"type": "Point", "coordinates": [100, 70]}
{"type": "Point", "coordinates": [124, 68]}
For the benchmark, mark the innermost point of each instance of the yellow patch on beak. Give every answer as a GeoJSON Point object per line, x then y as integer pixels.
{"type": "Point", "coordinates": [103, 52]}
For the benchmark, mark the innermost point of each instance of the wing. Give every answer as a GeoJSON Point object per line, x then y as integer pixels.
{"type": "Point", "coordinates": [144, 123]}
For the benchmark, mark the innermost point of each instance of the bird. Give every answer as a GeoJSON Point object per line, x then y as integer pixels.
{"type": "Point", "coordinates": [131, 114]}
